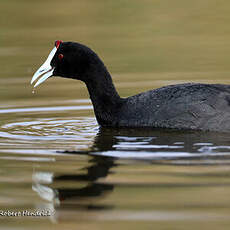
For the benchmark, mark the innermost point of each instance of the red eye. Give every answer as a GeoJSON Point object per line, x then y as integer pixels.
{"type": "Point", "coordinates": [60, 56]}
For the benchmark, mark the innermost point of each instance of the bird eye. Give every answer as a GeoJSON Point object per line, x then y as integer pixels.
{"type": "Point", "coordinates": [60, 56]}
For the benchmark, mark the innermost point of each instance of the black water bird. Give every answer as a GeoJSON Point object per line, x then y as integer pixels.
{"type": "Point", "coordinates": [183, 106]}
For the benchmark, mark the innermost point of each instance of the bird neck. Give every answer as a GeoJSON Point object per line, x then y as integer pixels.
{"type": "Point", "coordinates": [105, 99]}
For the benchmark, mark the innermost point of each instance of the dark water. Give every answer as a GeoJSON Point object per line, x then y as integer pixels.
{"type": "Point", "coordinates": [56, 161]}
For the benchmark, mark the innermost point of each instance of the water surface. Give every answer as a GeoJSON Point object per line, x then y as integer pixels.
{"type": "Point", "coordinates": [53, 155]}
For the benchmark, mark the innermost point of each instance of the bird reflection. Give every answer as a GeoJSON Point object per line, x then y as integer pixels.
{"type": "Point", "coordinates": [99, 166]}
{"type": "Point", "coordinates": [80, 198]}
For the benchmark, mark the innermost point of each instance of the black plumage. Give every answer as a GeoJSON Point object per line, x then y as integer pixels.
{"type": "Point", "coordinates": [183, 106]}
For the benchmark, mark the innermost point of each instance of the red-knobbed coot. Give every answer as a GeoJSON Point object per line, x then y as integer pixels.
{"type": "Point", "coordinates": [182, 106]}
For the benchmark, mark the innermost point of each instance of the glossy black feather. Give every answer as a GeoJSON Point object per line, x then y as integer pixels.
{"type": "Point", "coordinates": [183, 106]}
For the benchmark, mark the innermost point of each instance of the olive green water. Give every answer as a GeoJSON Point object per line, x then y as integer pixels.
{"type": "Point", "coordinates": [54, 157]}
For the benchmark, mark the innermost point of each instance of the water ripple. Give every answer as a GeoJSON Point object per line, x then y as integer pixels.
{"type": "Point", "coordinates": [46, 109]}
{"type": "Point", "coordinates": [61, 132]}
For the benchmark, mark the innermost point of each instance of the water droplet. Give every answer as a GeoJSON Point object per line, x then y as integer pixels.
{"type": "Point", "coordinates": [33, 91]}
